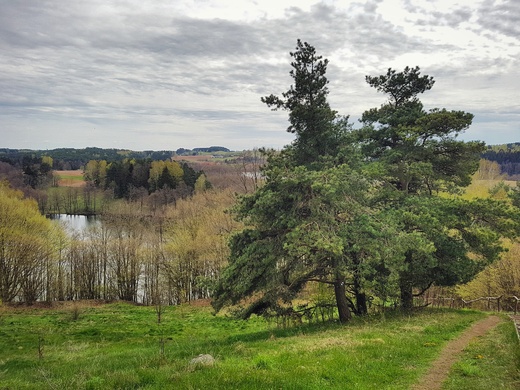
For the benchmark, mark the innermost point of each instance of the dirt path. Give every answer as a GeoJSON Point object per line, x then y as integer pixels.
{"type": "Point", "coordinates": [440, 368]}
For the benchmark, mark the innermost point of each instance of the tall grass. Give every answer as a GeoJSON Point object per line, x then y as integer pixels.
{"type": "Point", "coordinates": [122, 346]}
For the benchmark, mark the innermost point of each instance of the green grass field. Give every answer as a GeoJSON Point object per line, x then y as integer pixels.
{"type": "Point", "coordinates": [71, 177]}
{"type": "Point", "coordinates": [121, 346]}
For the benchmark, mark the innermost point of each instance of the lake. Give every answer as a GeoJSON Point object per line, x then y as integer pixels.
{"type": "Point", "coordinates": [76, 223]}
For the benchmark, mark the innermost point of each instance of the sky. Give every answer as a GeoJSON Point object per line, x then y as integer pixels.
{"type": "Point", "coordinates": [169, 74]}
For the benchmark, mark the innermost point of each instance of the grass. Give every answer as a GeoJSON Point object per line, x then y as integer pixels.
{"type": "Point", "coordinates": [71, 177]}
{"type": "Point", "coordinates": [121, 346]}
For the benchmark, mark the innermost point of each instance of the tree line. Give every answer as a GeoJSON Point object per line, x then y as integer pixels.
{"type": "Point", "coordinates": [133, 178]}
{"type": "Point", "coordinates": [72, 159]}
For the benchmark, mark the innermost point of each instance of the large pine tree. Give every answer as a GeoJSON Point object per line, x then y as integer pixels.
{"type": "Point", "coordinates": [422, 161]}
{"type": "Point", "coordinates": [300, 221]}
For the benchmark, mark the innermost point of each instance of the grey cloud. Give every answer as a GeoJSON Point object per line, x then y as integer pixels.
{"type": "Point", "coordinates": [450, 19]}
{"type": "Point", "coordinates": [69, 60]}
{"type": "Point", "coordinates": [176, 55]}
{"type": "Point", "coordinates": [179, 39]}
{"type": "Point", "coordinates": [371, 6]}
{"type": "Point", "coordinates": [501, 17]}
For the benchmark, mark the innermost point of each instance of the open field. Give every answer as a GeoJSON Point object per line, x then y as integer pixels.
{"type": "Point", "coordinates": [70, 178]}
{"type": "Point", "coordinates": [209, 157]}
{"type": "Point", "coordinates": [481, 188]}
{"type": "Point", "coordinates": [84, 346]}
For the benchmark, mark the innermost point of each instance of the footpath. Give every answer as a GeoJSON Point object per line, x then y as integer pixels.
{"type": "Point", "coordinates": [438, 372]}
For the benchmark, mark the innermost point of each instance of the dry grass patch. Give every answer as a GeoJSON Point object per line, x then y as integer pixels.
{"type": "Point", "coordinates": [313, 344]}
{"type": "Point", "coordinates": [412, 328]}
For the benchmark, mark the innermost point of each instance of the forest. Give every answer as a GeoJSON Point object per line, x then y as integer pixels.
{"type": "Point", "coordinates": [163, 240]}
{"type": "Point", "coordinates": [342, 221]}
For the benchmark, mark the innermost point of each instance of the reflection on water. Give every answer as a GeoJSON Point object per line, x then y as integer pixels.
{"type": "Point", "coordinates": [76, 223]}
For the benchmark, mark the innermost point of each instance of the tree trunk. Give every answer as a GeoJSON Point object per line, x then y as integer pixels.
{"type": "Point", "coordinates": [341, 301]}
{"type": "Point", "coordinates": [405, 285]}
{"type": "Point", "coordinates": [361, 303]}
{"type": "Point", "coordinates": [361, 298]}
{"type": "Point", "coordinates": [406, 294]}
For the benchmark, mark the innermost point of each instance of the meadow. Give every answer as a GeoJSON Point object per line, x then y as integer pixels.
{"type": "Point", "coordinates": [83, 345]}
{"type": "Point", "coordinates": [70, 178]}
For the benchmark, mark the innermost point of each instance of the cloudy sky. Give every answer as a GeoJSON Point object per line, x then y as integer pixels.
{"type": "Point", "coordinates": [165, 74]}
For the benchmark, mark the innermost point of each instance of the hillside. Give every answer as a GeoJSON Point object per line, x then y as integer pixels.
{"type": "Point", "coordinates": [89, 346]}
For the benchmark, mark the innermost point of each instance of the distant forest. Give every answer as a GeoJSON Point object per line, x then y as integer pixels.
{"type": "Point", "coordinates": [72, 159]}
{"type": "Point", "coordinates": [507, 156]}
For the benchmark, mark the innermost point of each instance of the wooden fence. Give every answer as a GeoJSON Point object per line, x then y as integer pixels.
{"type": "Point", "coordinates": [510, 303]}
